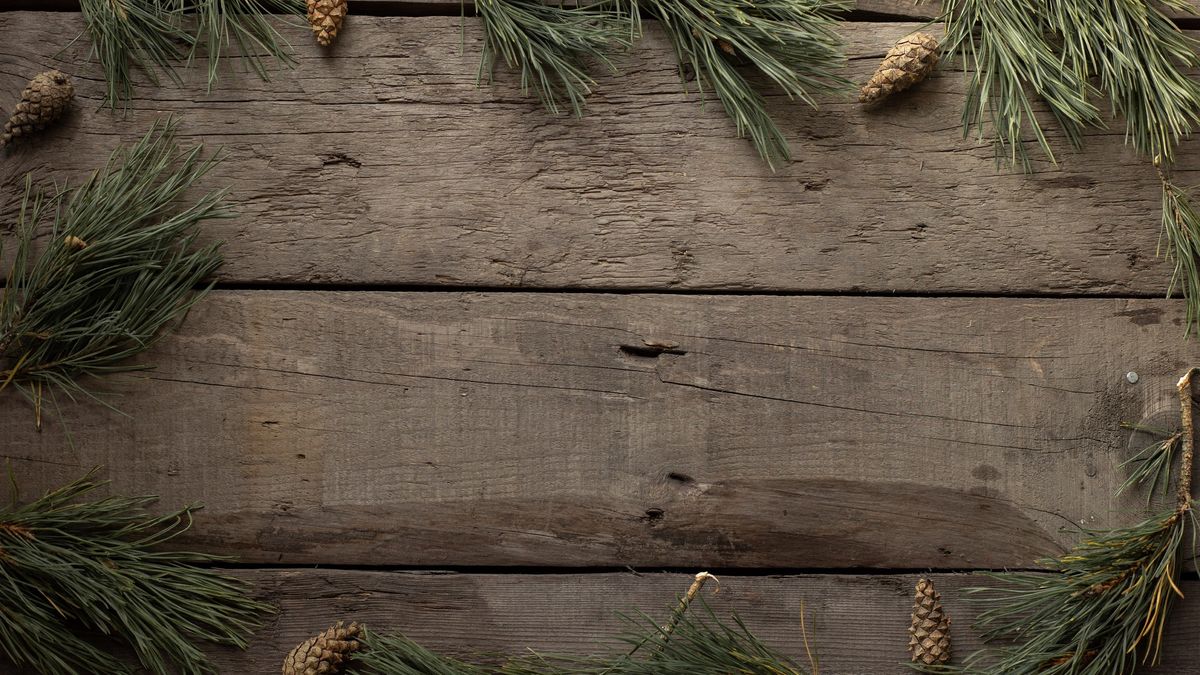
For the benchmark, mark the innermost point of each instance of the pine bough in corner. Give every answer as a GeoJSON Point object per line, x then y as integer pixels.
{"type": "Point", "coordinates": [118, 264]}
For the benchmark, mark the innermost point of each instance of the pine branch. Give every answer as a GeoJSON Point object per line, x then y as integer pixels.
{"type": "Point", "coordinates": [1053, 49]}
{"type": "Point", "coordinates": [128, 35]}
{"type": "Point", "coordinates": [398, 655]}
{"type": "Point", "coordinates": [99, 566]}
{"type": "Point", "coordinates": [550, 46]}
{"type": "Point", "coordinates": [1103, 607]}
{"type": "Point", "coordinates": [152, 36]}
{"type": "Point", "coordinates": [684, 645]}
{"type": "Point", "coordinates": [119, 265]}
{"type": "Point", "coordinates": [792, 42]}
{"type": "Point", "coordinates": [245, 23]}
{"type": "Point", "coordinates": [1180, 243]}
{"type": "Point", "coordinates": [1152, 465]}
{"type": "Point", "coordinates": [1006, 46]}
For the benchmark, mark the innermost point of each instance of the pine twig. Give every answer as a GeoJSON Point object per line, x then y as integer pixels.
{"type": "Point", "coordinates": [697, 583]}
{"type": "Point", "coordinates": [684, 645]}
{"type": "Point", "coordinates": [153, 36]}
{"type": "Point", "coordinates": [1103, 607]}
{"type": "Point", "coordinates": [550, 46]}
{"type": "Point", "coordinates": [1179, 242]}
{"type": "Point", "coordinates": [68, 564]}
{"type": "Point", "coordinates": [1054, 50]}
{"type": "Point", "coordinates": [68, 312]}
{"type": "Point", "coordinates": [792, 43]}
{"type": "Point", "coordinates": [1183, 497]}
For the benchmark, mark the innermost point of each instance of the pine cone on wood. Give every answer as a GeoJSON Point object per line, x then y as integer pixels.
{"type": "Point", "coordinates": [44, 100]}
{"type": "Point", "coordinates": [909, 62]}
{"type": "Point", "coordinates": [325, 17]}
{"type": "Point", "coordinates": [325, 654]}
{"type": "Point", "coordinates": [929, 632]}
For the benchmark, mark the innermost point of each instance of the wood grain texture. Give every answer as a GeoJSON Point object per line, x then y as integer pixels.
{"type": "Point", "coordinates": [540, 429]}
{"type": "Point", "coordinates": [856, 624]}
{"type": "Point", "coordinates": [383, 162]}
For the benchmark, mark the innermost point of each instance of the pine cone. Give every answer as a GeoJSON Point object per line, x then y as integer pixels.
{"type": "Point", "coordinates": [325, 17]}
{"type": "Point", "coordinates": [43, 101]}
{"type": "Point", "coordinates": [909, 62]}
{"type": "Point", "coordinates": [324, 654]}
{"type": "Point", "coordinates": [929, 633]}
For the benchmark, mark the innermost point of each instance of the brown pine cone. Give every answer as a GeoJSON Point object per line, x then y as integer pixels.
{"type": "Point", "coordinates": [44, 100]}
{"type": "Point", "coordinates": [929, 632]}
{"type": "Point", "coordinates": [909, 62]}
{"type": "Point", "coordinates": [324, 654]}
{"type": "Point", "coordinates": [325, 17]}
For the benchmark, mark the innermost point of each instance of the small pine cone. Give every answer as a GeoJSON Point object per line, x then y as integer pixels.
{"type": "Point", "coordinates": [325, 17]}
{"type": "Point", "coordinates": [43, 101]}
{"type": "Point", "coordinates": [909, 62]}
{"type": "Point", "coordinates": [929, 633]}
{"type": "Point", "coordinates": [324, 654]}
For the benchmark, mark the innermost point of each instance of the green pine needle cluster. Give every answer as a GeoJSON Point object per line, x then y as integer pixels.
{"type": "Point", "coordinates": [116, 263]}
{"type": "Point", "coordinates": [792, 43]}
{"type": "Point", "coordinates": [1102, 608]}
{"type": "Point", "coordinates": [154, 36]}
{"type": "Point", "coordinates": [81, 576]}
{"type": "Point", "coordinates": [685, 645]}
{"type": "Point", "coordinates": [550, 46]}
{"type": "Point", "coordinates": [1020, 49]}
{"type": "Point", "coordinates": [1151, 466]}
{"type": "Point", "coordinates": [1180, 243]}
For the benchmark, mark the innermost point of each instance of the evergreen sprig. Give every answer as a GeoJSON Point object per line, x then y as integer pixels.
{"type": "Point", "coordinates": [684, 645]}
{"type": "Point", "coordinates": [1053, 50]}
{"type": "Point", "coordinates": [1180, 243]}
{"type": "Point", "coordinates": [246, 24]}
{"type": "Point", "coordinates": [118, 264]}
{"type": "Point", "coordinates": [550, 46]}
{"type": "Point", "coordinates": [156, 35]}
{"type": "Point", "coordinates": [793, 43]}
{"type": "Point", "coordinates": [696, 646]}
{"type": "Point", "coordinates": [71, 569]}
{"type": "Point", "coordinates": [129, 35]}
{"type": "Point", "coordinates": [1102, 608]}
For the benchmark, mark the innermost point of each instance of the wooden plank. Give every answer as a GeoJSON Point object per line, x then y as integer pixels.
{"type": "Point", "coordinates": [540, 429]}
{"type": "Point", "coordinates": [856, 624]}
{"type": "Point", "coordinates": [384, 163]}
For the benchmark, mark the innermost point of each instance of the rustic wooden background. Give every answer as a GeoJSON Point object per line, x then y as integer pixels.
{"type": "Point", "coordinates": [488, 377]}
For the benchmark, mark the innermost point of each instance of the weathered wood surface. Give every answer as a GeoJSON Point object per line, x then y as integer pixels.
{"type": "Point", "coordinates": [384, 162]}
{"type": "Point", "coordinates": [856, 624]}
{"type": "Point", "coordinates": [540, 429]}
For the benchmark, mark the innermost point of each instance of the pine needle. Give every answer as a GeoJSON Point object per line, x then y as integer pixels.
{"type": "Point", "coordinates": [118, 265]}
{"type": "Point", "coordinates": [794, 43]}
{"type": "Point", "coordinates": [69, 566]}
{"type": "Point", "coordinates": [550, 46]}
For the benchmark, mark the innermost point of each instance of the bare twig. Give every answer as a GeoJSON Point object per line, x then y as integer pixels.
{"type": "Point", "coordinates": [1184, 496]}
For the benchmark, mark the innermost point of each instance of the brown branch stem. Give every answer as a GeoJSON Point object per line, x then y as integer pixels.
{"type": "Point", "coordinates": [1184, 495]}
{"type": "Point", "coordinates": [686, 600]}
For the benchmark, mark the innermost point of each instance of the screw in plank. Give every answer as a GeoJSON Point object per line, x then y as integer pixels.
{"type": "Point", "coordinates": [1132, 377]}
